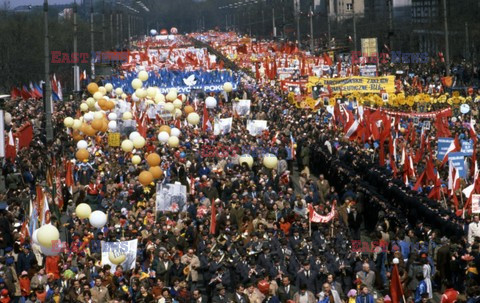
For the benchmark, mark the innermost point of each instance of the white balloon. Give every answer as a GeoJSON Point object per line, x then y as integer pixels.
{"type": "Point", "coordinates": [98, 219]}
{"type": "Point", "coordinates": [135, 97]}
{"type": "Point", "coordinates": [97, 107]}
{"type": "Point", "coordinates": [163, 137]}
{"type": "Point", "coordinates": [8, 118]}
{"type": "Point", "coordinates": [88, 117]}
{"type": "Point", "coordinates": [211, 102]}
{"type": "Point", "coordinates": [34, 237]}
{"type": "Point", "coordinates": [112, 125]}
{"type": "Point", "coordinates": [112, 116]}
{"type": "Point", "coordinates": [175, 132]}
{"type": "Point", "coordinates": [133, 135]}
{"type": "Point", "coordinates": [82, 144]}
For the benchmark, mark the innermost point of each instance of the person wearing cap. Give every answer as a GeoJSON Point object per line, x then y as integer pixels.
{"type": "Point", "coordinates": [307, 277]}
{"type": "Point", "coordinates": [25, 259]}
{"type": "Point", "coordinates": [221, 294]}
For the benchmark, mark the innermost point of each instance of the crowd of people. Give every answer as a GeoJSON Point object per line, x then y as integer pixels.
{"type": "Point", "coordinates": [263, 246]}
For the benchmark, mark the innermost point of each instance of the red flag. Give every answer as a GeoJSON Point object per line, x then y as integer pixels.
{"type": "Point", "coordinates": [10, 149]}
{"type": "Point", "coordinates": [69, 174]}
{"type": "Point", "coordinates": [213, 219]}
{"type": "Point", "coordinates": [327, 60]}
{"type": "Point", "coordinates": [142, 125]}
{"type": "Point", "coordinates": [205, 120]}
{"type": "Point", "coordinates": [25, 135]}
{"type": "Point", "coordinates": [25, 93]}
{"type": "Point", "coordinates": [15, 93]}
{"type": "Point", "coordinates": [396, 290]}
{"type": "Point", "coordinates": [58, 192]}
{"type": "Point", "coordinates": [454, 147]}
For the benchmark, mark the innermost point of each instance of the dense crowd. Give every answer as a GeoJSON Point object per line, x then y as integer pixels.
{"type": "Point", "coordinates": [263, 247]}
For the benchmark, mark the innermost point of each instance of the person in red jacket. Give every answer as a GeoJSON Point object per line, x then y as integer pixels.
{"type": "Point", "coordinates": [24, 284]}
{"type": "Point", "coordinates": [51, 266]}
{"type": "Point", "coordinates": [450, 295]}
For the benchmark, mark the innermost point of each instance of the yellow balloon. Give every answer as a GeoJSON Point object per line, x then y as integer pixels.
{"type": "Point", "coordinates": [177, 103]}
{"type": "Point", "coordinates": [127, 116]}
{"type": "Point", "coordinates": [173, 141]}
{"type": "Point", "coordinates": [116, 257]}
{"type": "Point", "coordinates": [270, 161]}
{"type": "Point", "coordinates": [102, 89]}
{"type": "Point", "coordinates": [109, 87]}
{"type": "Point", "coordinates": [143, 75]}
{"type": "Point", "coordinates": [90, 102]}
{"type": "Point", "coordinates": [68, 122]}
{"type": "Point", "coordinates": [139, 142]}
{"type": "Point", "coordinates": [141, 93]}
{"type": "Point", "coordinates": [246, 158]}
{"type": "Point", "coordinates": [151, 92]}
{"type": "Point", "coordinates": [193, 118]}
{"type": "Point", "coordinates": [76, 124]}
{"type": "Point", "coordinates": [159, 98]}
{"type": "Point", "coordinates": [172, 95]}
{"type": "Point", "coordinates": [169, 107]}
{"type": "Point", "coordinates": [127, 145]}
{"type": "Point", "coordinates": [118, 91]}
{"type": "Point", "coordinates": [98, 95]}
{"type": "Point", "coordinates": [227, 87]}
{"type": "Point", "coordinates": [47, 234]}
{"type": "Point", "coordinates": [83, 210]}
{"type": "Point", "coordinates": [84, 107]}
{"type": "Point", "coordinates": [136, 159]}
{"type": "Point", "coordinates": [137, 83]}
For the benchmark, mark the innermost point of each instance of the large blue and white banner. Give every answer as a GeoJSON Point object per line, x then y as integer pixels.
{"type": "Point", "coordinates": [183, 82]}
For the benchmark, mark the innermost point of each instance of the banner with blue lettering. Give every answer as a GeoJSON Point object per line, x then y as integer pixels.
{"type": "Point", "coordinates": [443, 144]}
{"type": "Point", "coordinates": [183, 82]}
{"type": "Point", "coordinates": [457, 160]}
{"type": "Point", "coordinates": [467, 148]}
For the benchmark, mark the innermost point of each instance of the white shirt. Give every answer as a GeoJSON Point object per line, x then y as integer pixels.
{"type": "Point", "coordinates": [473, 231]}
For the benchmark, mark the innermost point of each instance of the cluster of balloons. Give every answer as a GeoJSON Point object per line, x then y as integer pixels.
{"type": "Point", "coordinates": [146, 177]}
{"type": "Point", "coordinates": [97, 218]}
{"type": "Point", "coordinates": [270, 161]}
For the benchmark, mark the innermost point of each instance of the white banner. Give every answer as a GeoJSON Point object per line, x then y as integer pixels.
{"type": "Point", "coordinates": [256, 127]}
{"type": "Point", "coordinates": [476, 204]}
{"type": "Point", "coordinates": [222, 126]}
{"type": "Point", "coordinates": [171, 197]}
{"type": "Point", "coordinates": [316, 218]}
{"type": "Point", "coordinates": [242, 107]}
{"type": "Point", "coordinates": [116, 250]}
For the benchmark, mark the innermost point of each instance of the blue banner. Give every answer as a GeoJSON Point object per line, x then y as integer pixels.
{"type": "Point", "coordinates": [183, 82]}
{"type": "Point", "coordinates": [458, 161]}
{"type": "Point", "coordinates": [467, 148]}
{"type": "Point", "coordinates": [443, 144]}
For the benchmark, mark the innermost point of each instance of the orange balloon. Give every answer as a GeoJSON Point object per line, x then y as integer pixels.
{"type": "Point", "coordinates": [156, 172]}
{"type": "Point", "coordinates": [84, 127]}
{"type": "Point", "coordinates": [102, 102]}
{"type": "Point", "coordinates": [104, 126]}
{"type": "Point", "coordinates": [92, 88]}
{"type": "Point", "coordinates": [188, 109]}
{"type": "Point", "coordinates": [153, 159]}
{"type": "Point", "coordinates": [110, 105]}
{"type": "Point", "coordinates": [145, 178]}
{"type": "Point", "coordinates": [97, 124]}
{"type": "Point", "coordinates": [82, 154]}
{"type": "Point", "coordinates": [165, 128]}
{"type": "Point", "coordinates": [90, 131]}
{"type": "Point", "coordinates": [76, 136]}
